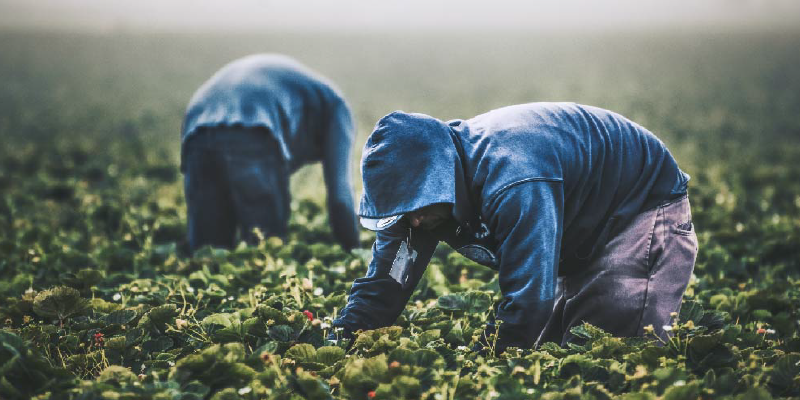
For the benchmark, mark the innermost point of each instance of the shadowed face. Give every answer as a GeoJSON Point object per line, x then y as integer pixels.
{"type": "Point", "coordinates": [431, 216]}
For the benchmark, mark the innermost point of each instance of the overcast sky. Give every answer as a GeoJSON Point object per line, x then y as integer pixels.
{"type": "Point", "coordinates": [405, 15]}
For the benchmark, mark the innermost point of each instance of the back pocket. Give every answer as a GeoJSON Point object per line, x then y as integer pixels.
{"type": "Point", "coordinates": [686, 228]}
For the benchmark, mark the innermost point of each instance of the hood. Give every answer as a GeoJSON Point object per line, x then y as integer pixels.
{"type": "Point", "coordinates": [411, 161]}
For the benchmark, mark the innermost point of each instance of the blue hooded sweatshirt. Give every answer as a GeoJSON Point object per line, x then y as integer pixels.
{"type": "Point", "coordinates": [302, 110]}
{"type": "Point", "coordinates": [537, 190]}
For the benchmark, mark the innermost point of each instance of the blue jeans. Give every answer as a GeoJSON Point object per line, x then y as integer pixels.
{"type": "Point", "coordinates": [235, 180]}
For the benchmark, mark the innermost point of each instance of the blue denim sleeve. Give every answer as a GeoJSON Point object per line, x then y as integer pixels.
{"type": "Point", "coordinates": [336, 169]}
{"type": "Point", "coordinates": [527, 223]}
{"type": "Point", "coordinates": [376, 300]}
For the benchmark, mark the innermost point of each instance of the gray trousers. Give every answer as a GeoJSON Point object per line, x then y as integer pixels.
{"type": "Point", "coordinates": [637, 280]}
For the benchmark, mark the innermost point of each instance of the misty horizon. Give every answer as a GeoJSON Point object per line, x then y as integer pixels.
{"type": "Point", "coordinates": [395, 16]}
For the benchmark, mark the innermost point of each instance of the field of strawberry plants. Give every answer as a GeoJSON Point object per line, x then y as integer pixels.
{"type": "Point", "coordinates": [99, 298]}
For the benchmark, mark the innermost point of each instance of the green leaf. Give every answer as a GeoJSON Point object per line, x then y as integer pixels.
{"type": "Point", "coordinates": [311, 387]}
{"type": "Point", "coordinates": [364, 374]}
{"type": "Point", "coordinates": [455, 335]}
{"type": "Point", "coordinates": [220, 320]}
{"type": "Point", "coordinates": [226, 394]}
{"type": "Point", "coordinates": [755, 393]}
{"type": "Point", "coordinates": [330, 355]}
{"type": "Point", "coordinates": [267, 313]}
{"type": "Point", "coordinates": [59, 302]}
{"type": "Point", "coordinates": [688, 391]}
{"type": "Point", "coordinates": [163, 343]}
{"type": "Point", "coordinates": [452, 302]}
{"type": "Point", "coordinates": [254, 326]}
{"type": "Point", "coordinates": [120, 375]}
{"type": "Point", "coordinates": [196, 388]}
{"type": "Point", "coordinates": [428, 359]}
{"type": "Point", "coordinates": [158, 317]}
{"type": "Point", "coordinates": [477, 301]}
{"type": "Point", "coordinates": [707, 351]}
{"type": "Point", "coordinates": [302, 352]}
{"type": "Point", "coordinates": [121, 317]}
{"type": "Point", "coordinates": [784, 378]}
{"type": "Point", "coordinates": [472, 301]}
{"type": "Point", "coordinates": [403, 356]}
{"type": "Point", "coordinates": [84, 279]}
{"type": "Point", "coordinates": [649, 356]}
{"type": "Point", "coordinates": [217, 366]}
{"type": "Point", "coordinates": [215, 291]}
{"type": "Point", "coordinates": [134, 336]}
{"type": "Point", "coordinates": [761, 315]}
{"type": "Point", "coordinates": [90, 276]}
{"type": "Point", "coordinates": [589, 332]}
{"type": "Point", "coordinates": [402, 387]}
{"type": "Point", "coordinates": [375, 340]}
{"type": "Point", "coordinates": [691, 311]}
{"type": "Point", "coordinates": [281, 333]}
{"type": "Point", "coordinates": [574, 364]}
{"type": "Point", "coordinates": [116, 343]}
{"type": "Point", "coordinates": [704, 344]}
{"type": "Point", "coordinates": [638, 396]}
{"type": "Point", "coordinates": [101, 306]}
{"type": "Point", "coordinates": [429, 336]}
{"type": "Point", "coordinates": [607, 347]}
{"type": "Point", "coordinates": [25, 372]}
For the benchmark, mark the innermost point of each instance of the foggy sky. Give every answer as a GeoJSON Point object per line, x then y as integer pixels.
{"type": "Point", "coordinates": [406, 15]}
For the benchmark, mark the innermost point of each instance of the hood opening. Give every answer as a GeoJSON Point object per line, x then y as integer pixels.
{"type": "Point", "coordinates": [411, 161]}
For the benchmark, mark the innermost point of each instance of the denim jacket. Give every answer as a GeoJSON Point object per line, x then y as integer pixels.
{"type": "Point", "coordinates": [537, 190]}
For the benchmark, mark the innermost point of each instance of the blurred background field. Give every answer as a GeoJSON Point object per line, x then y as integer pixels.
{"type": "Point", "coordinates": [719, 100]}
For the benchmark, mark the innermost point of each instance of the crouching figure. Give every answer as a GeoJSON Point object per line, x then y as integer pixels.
{"type": "Point", "coordinates": [246, 130]}
{"type": "Point", "coordinates": [537, 192]}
